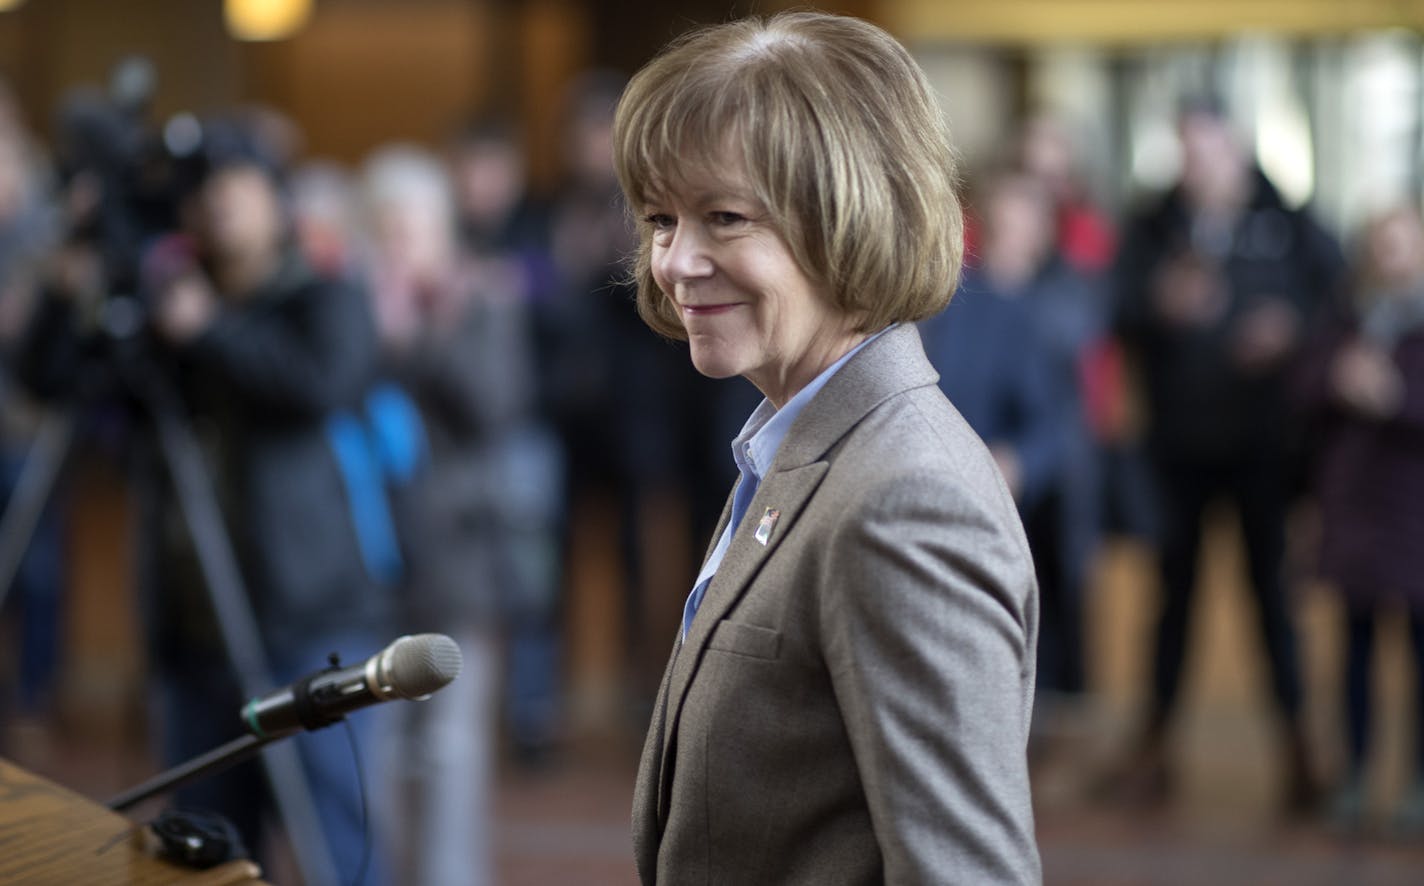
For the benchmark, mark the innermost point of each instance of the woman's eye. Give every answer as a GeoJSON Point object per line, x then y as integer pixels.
{"type": "Point", "coordinates": [726, 219]}
{"type": "Point", "coordinates": [659, 221]}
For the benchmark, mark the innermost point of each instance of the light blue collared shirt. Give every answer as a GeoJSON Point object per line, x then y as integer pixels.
{"type": "Point", "coordinates": [754, 450]}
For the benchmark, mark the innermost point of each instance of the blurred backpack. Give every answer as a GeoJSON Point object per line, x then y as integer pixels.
{"type": "Point", "coordinates": [379, 449]}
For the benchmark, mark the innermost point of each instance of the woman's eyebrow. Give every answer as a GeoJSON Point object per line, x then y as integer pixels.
{"type": "Point", "coordinates": [720, 194]}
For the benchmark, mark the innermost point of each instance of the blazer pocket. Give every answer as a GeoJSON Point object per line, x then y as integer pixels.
{"type": "Point", "coordinates": [745, 639]}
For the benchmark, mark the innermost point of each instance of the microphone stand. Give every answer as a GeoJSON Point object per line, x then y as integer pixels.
{"type": "Point", "coordinates": [216, 760]}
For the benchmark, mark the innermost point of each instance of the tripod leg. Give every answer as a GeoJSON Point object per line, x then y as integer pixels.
{"type": "Point", "coordinates": [241, 638]}
{"type": "Point", "coordinates": [42, 466]}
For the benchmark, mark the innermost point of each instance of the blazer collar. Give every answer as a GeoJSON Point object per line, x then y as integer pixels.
{"type": "Point", "coordinates": [893, 363]}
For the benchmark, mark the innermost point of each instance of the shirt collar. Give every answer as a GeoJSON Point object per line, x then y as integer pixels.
{"type": "Point", "coordinates": [755, 447]}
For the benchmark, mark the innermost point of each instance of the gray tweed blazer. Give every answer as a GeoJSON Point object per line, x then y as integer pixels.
{"type": "Point", "coordinates": [852, 703]}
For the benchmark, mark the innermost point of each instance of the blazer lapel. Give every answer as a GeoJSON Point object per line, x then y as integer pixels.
{"type": "Point", "coordinates": [784, 491]}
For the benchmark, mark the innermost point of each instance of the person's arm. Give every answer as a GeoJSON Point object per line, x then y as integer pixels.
{"type": "Point", "coordinates": [1410, 365]}
{"type": "Point", "coordinates": [1134, 320]}
{"type": "Point", "coordinates": [1310, 379]}
{"type": "Point", "coordinates": [1043, 404]}
{"type": "Point", "coordinates": [1327, 300]}
{"type": "Point", "coordinates": [50, 352]}
{"type": "Point", "coordinates": [479, 378]}
{"type": "Point", "coordinates": [928, 622]}
{"type": "Point", "coordinates": [57, 337]}
{"type": "Point", "coordinates": [1278, 328]}
{"type": "Point", "coordinates": [1381, 386]}
{"type": "Point", "coordinates": [307, 357]}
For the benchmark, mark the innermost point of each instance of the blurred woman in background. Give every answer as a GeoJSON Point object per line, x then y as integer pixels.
{"type": "Point", "coordinates": [452, 335]}
{"type": "Point", "coordinates": [1367, 389]}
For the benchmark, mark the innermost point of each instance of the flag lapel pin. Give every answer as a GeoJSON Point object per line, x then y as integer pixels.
{"type": "Point", "coordinates": [768, 522]}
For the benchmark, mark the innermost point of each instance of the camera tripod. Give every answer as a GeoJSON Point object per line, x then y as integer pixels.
{"type": "Point", "coordinates": [222, 580]}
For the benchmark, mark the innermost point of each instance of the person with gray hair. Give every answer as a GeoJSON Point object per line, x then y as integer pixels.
{"type": "Point", "coordinates": [849, 697]}
{"type": "Point", "coordinates": [453, 336]}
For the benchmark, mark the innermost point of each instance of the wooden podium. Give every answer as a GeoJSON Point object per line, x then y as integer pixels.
{"type": "Point", "coordinates": [49, 835]}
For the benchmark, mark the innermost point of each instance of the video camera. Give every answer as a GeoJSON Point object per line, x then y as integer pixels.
{"type": "Point", "coordinates": [125, 181]}
{"type": "Point", "coordinates": [123, 177]}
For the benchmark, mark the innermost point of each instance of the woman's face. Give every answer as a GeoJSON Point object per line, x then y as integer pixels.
{"type": "Point", "coordinates": [746, 305]}
{"type": "Point", "coordinates": [413, 237]}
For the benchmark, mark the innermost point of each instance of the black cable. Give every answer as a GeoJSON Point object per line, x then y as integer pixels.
{"type": "Point", "coordinates": [365, 820]}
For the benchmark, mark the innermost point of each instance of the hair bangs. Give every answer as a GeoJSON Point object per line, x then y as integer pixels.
{"type": "Point", "coordinates": [676, 132]}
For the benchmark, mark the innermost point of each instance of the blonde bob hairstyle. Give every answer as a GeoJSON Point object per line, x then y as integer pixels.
{"type": "Point", "coordinates": [841, 137]}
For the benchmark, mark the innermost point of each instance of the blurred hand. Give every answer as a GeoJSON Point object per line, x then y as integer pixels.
{"type": "Point", "coordinates": [16, 302]}
{"type": "Point", "coordinates": [1365, 379]}
{"type": "Point", "coordinates": [81, 200]}
{"type": "Point", "coordinates": [1189, 293]}
{"type": "Point", "coordinates": [494, 280]}
{"type": "Point", "coordinates": [1009, 466]}
{"type": "Point", "coordinates": [396, 305]}
{"type": "Point", "coordinates": [185, 308]}
{"type": "Point", "coordinates": [1264, 335]}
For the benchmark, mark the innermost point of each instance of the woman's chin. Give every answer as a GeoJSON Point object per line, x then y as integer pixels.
{"type": "Point", "coordinates": [714, 364]}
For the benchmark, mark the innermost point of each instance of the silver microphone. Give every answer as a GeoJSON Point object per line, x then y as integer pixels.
{"type": "Point", "coordinates": [412, 667]}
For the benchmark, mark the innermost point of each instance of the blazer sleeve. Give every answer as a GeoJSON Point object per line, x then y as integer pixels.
{"type": "Point", "coordinates": [928, 621]}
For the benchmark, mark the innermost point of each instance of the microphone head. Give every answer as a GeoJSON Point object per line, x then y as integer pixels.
{"type": "Point", "coordinates": [415, 666]}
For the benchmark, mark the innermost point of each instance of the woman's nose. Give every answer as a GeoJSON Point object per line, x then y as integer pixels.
{"type": "Point", "coordinates": [686, 256]}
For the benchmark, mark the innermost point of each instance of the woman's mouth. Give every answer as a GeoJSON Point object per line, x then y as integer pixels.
{"type": "Point", "coordinates": [707, 310]}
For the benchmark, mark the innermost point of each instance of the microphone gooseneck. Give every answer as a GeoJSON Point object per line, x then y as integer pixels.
{"type": "Point", "coordinates": [412, 667]}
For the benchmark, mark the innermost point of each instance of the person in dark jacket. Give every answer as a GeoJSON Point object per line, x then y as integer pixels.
{"type": "Point", "coordinates": [1217, 285]}
{"type": "Point", "coordinates": [267, 352]}
{"type": "Point", "coordinates": [1366, 392]}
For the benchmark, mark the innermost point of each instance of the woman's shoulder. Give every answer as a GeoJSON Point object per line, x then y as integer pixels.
{"type": "Point", "coordinates": [917, 442]}
{"type": "Point", "coordinates": [913, 476]}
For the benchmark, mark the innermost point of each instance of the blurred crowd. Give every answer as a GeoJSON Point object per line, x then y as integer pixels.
{"type": "Point", "coordinates": [409, 378]}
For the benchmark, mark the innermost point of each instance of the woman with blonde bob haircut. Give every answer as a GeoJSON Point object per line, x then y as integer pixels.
{"type": "Point", "coordinates": [848, 699]}
{"type": "Point", "coordinates": [863, 195]}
